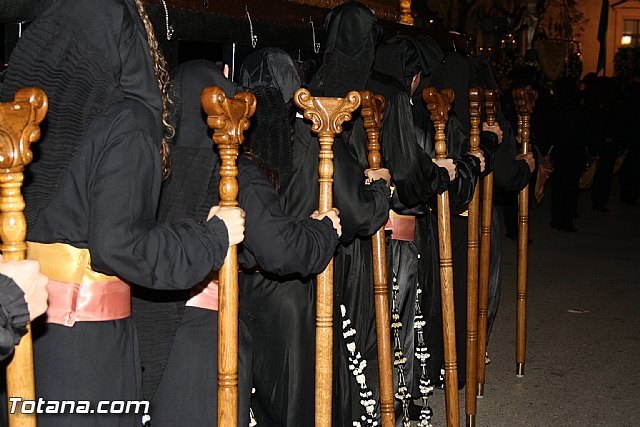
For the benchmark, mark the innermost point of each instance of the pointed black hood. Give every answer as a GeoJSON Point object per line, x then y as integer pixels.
{"type": "Point", "coordinates": [86, 62]}
{"type": "Point", "coordinates": [351, 37]}
{"type": "Point", "coordinates": [191, 189]}
{"type": "Point", "coordinates": [270, 67]}
{"type": "Point", "coordinates": [402, 57]}
{"type": "Point", "coordinates": [273, 78]}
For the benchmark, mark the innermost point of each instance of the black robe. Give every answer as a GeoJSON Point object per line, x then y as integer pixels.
{"type": "Point", "coordinates": [416, 180]}
{"type": "Point", "coordinates": [276, 245]}
{"type": "Point", "coordinates": [456, 73]}
{"type": "Point", "coordinates": [281, 308]}
{"type": "Point", "coordinates": [95, 184]}
{"type": "Point", "coordinates": [363, 209]}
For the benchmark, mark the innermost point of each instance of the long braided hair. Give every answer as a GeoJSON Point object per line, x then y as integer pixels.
{"type": "Point", "coordinates": [162, 76]}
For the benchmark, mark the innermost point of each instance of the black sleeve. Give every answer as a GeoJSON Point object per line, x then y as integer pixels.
{"type": "Point", "coordinates": [363, 208]}
{"type": "Point", "coordinates": [124, 238]}
{"type": "Point", "coordinates": [461, 189]}
{"type": "Point", "coordinates": [278, 243]}
{"type": "Point", "coordinates": [417, 178]}
{"type": "Point", "coordinates": [489, 145]}
{"type": "Point", "coordinates": [14, 315]}
{"type": "Point", "coordinates": [509, 174]}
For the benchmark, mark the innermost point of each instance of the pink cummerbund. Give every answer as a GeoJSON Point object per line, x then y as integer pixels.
{"type": "Point", "coordinates": [88, 302]}
{"type": "Point", "coordinates": [204, 296]}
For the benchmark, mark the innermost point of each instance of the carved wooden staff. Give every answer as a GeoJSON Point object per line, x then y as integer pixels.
{"type": "Point", "coordinates": [229, 118]}
{"type": "Point", "coordinates": [372, 109]}
{"type": "Point", "coordinates": [439, 104]}
{"type": "Point", "coordinates": [525, 101]}
{"type": "Point", "coordinates": [475, 104]}
{"type": "Point", "coordinates": [327, 116]}
{"type": "Point", "coordinates": [19, 127]}
{"type": "Point", "coordinates": [490, 108]}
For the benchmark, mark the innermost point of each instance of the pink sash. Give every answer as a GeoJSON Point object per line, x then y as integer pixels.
{"type": "Point", "coordinates": [204, 296]}
{"type": "Point", "coordinates": [89, 302]}
{"type": "Point", "coordinates": [77, 293]}
{"type": "Point", "coordinates": [402, 227]}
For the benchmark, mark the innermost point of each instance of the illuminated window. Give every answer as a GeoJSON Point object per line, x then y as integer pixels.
{"type": "Point", "coordinates": [630, 33]}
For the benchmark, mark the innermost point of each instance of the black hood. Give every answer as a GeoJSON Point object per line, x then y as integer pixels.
{"type": "Point", "coordinates": [351, 37]}
{"type": "Point", "coordinates": [273, 78]}
{"type": "Point", "coordinates": [86, 62]}
{"type": "Point", "coordinates": [191, 189]}
{"type": "Point", "coordinates": [402, 57]}
{"type": "Point", "coordinates": [483, 73]}
{"type": "Point", "coordinates": [270, 67]}
{"type": "Point", "coordinates": [189, 79]}
{"type": "Point", "coordinates": [458, 75]}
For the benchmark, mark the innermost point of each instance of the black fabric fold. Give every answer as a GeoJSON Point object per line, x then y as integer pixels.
{"type": "Point", "coordinates": [14, 315]}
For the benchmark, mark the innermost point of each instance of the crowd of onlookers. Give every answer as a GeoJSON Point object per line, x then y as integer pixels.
{"type": "Point", "coordinates": [583, 135]}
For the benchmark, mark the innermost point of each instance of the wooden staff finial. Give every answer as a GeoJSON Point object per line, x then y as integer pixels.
{"type": "Point", "coordinates": [327, 116]}
{"type": "Point", "coordinates": [229, 118]}
{"type": "Point", "coordinates": [439, 104]}
{"type": "Point", "coordinates": [372, 111]}
{"type": "Point", "coordinates": [475, 107]}
{"type": "Point", "coordinates": [491, 101]}
{"type": "Point", "coordinates": [19, 127]}
{"type": "Point", "coordinates": [490, 107]}
{"type": "Point", "coordinates": [525, 100]}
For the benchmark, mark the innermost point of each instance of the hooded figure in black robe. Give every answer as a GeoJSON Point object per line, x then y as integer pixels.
{"type": "Point", "coordinates": [456, 73]}
{"type": "Point", "coordinates": [417, 179]}
{"type": "Point", "coordinates": [276, 245]}
{"type": "Point", "coordinates": [178, 344]}
{"type": "Point", "coordinates": [565, 127]}
{"type": "Point", "coordinates": [95, 184]}
{"type": "Point", "coordinates": [509, 174]}
{"type": "Point", "coordinates": [398, 63]}
{"type": "Point", "coordinates": [352, 32]}
{"type": "Point", "coordinates": [184, 194]}
{"type": "Point", "coordinates": [278, 306]}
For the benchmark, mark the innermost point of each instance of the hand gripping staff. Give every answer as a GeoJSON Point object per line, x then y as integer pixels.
{"type": "Point", "coordinates": [525, 101]}
{"type": "Point", "coordinates": [475, 107]}
{"type": "Point", "coordinates": [439, 105]}
{"type": "Point", "coordinates": [372, 111]}
{"type": "Point", "coordinates": [229, 118]}
{"type": "Point", "coordinates": [19, 127]}
{"type": "Point", "coordinates": [490, 109]}
{"type": "Point", "coordinates": [327, 116]}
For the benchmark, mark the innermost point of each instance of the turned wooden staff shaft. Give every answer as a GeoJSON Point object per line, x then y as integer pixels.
{"type": "Point", "coordinates": [439, 104]}
{"type": "Point", "coordinates": [490, 105]}
{"type": "Point", "coordinates": [229, 118]}
{"type": "Point", "coordinates": [19, 121]}
{"type": "Point", "coordinates": [324, 302]}
{"type": "Point", "coordinates": [372, 109]}
{"type": "Point", "coordinates": [525, 101]}
{"type": "Point", "coordinates": [475, 100]}
{"type": "Point", "coordinates": [327, 116]}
